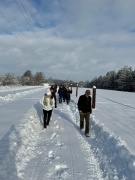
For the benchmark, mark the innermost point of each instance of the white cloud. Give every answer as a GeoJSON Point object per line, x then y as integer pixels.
{"type": "Point", "coordinates": [78, 39]}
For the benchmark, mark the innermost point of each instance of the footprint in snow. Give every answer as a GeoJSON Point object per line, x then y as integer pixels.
{"type": "Point", "coordinates": [59, 172]}
{"type": "Point", "coordinates": [55, 122]}
{"type": "Point", "coordinates": [54, 135]}
{"type": "Point", "coordinates": [57, 127]}
{"type": "Point", "coordinates": [60, 168]}
{"type": "Point", "coordinates": [60, 144]}
{"type": "Point", "coordinates": [51, 155]}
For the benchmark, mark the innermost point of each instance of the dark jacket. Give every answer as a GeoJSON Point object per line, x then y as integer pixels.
{"type": "Point", "coordinates": [68, 92]}
{"type": "Point", "coordinates": [84, 104]}
{"type": "Point", "coordinates": [53, 94]}
{"type": "Point", "coordinates": [60, 91]}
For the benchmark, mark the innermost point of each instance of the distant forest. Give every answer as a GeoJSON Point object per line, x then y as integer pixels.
{"type": "Point", "coordinates": [123, 80]}
{"type": "Point", "coordinates": [30, 79]}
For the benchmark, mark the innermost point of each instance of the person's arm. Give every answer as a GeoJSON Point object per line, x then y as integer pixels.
{"type": "Point", "coordinates": [79, 104]}
{"type": "Point", "coordinates": [90, 106]}
{"type": "Point", "coordinates": [53, 102]}
{"type": "Point", "coordinates": [42, 101]}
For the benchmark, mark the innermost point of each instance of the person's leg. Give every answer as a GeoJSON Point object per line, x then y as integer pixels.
{"type": "Point", "coordinates": [64, 98]}
{"type": "Point", "coordinates": [45, 117]}
{"type": "Point", "coordinates": [67, 100]}
{"type": "Point", "coordinates": [55, 100]}
{"type": "Point", "coordinates": [49, 117]}
{"type": "Point", "coordinates": [81, 120]}
{"type": "Point", "coordinates": [60, 99]}
{"type": "Point", "coordinates": [87, 120]}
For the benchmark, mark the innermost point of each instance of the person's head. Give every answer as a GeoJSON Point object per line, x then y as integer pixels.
{"type": "Point", "coordinates": [48, 92]}
{"type": "Point", "coordinates": [51, 89]}
{"type": "Point", "coordinates": [87, 92]}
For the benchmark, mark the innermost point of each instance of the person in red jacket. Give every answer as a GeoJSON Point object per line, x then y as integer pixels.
{"type": "Point", "coordinates": [84, 107]}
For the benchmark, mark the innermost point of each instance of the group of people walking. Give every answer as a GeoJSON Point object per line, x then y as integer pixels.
{"type": "Point", "coordinates": [84, 105]}
{"type": "Point", "coordinates": [49, 100]}
{"type": "Point", "coordinates": [64, 94]}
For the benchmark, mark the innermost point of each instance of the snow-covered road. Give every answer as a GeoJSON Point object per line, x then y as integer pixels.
{"type": "Point", "coordinates": [29, 152]}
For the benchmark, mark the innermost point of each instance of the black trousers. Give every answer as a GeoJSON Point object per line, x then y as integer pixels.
{"type": "Point", "coordinates": [47, 116]}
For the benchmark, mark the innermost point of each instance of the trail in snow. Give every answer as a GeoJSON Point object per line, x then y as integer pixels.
{"type": "Point", "coordinates": [63, 151]}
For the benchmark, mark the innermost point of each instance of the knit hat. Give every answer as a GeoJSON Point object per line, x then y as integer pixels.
{"type": "Point", "coordinates": [48, 92]}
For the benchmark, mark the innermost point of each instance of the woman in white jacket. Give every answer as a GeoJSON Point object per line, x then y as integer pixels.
{"type": "Point", "coordinates": [48, 104]}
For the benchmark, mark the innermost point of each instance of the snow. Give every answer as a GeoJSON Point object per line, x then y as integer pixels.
{"type": "Point", "coordinates": [62, 151]}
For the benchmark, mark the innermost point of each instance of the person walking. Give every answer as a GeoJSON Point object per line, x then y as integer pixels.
{"type": "Point", "coordinates": [64, 93]}
{"type": "Point", "coordinates": [60, 92]}
{"type": "Point", "coordinates": [48, 104]}
{"type": "Point", "coordinates": [85, 109]}
{"type": "Point", "coordinates": [53, 90]}
{"type": "Point", "coordinates": [68, 92]}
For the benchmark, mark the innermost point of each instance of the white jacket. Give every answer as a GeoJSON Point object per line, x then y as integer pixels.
{"type": "Point", "coordinates": [48, 102]}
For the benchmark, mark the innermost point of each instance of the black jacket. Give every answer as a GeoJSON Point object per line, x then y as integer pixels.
{"type": "Point", "coordinates": [84, 104]}
{"type": "Point", "coordinates": [68, 92]}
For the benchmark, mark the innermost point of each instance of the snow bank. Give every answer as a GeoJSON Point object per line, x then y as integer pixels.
{"type": "Point", "coordinates": [18, 146]}
{"type": "Point", "coordinates": [115, 159]}
{"type": "Point", "coordinates": [12, 97]}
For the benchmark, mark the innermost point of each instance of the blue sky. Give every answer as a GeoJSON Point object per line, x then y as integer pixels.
{"type": "Point", "coordinates": [66, 39]}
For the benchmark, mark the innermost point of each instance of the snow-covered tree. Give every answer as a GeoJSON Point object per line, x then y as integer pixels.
{"type": "Point", "coordinates": [27, 78]}
{"type": "Point", "coordinates": [39, 78]}
{"type": "Point", "coordinates": [111, 80]}
{"type": "Point", "coordinates": [124, 78]}
{"type": "Point", "coordinates": [10, 79]}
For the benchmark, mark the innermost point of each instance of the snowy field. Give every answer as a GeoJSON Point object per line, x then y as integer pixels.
{"type": "Point", "coordinates": [62, 152]}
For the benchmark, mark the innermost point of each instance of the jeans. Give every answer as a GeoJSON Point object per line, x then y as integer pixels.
{"type": "Point", "coordinates": [60, 99]}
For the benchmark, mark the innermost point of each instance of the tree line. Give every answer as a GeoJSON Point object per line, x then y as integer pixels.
{"type": "Point", "coordinates": [123, 80]}
{"type": "Point", "coordinates": [30, 79]}
{"type": "Point", "coordinates": [27, 79]}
